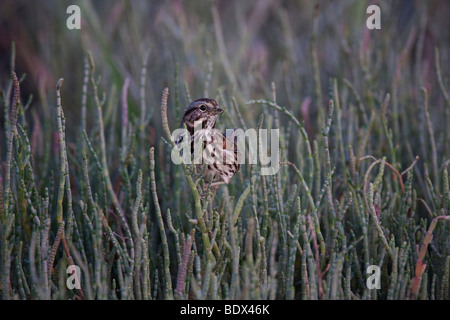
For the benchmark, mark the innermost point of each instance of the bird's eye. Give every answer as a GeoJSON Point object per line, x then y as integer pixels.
{"type": "Point", "coordinates": [203, 107]}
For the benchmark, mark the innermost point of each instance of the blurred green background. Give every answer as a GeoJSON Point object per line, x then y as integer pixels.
{"type": "Point", "coordinates": [263, 41]}
{"type": "Point", "coordinates": [242, 46]}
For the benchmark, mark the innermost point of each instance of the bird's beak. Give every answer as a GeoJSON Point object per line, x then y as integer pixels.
{"type": "Point", "coordinates": [219, 110]}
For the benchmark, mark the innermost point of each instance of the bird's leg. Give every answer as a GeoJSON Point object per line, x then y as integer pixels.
{"type": "Point", "coordinates": [211, 194]}
{"type": "Point", "coordinates": [205, 190]}
{"type": "Point", "coordinates": [214, 191]}
{"type": "Point", "coordinates": [214, 187]}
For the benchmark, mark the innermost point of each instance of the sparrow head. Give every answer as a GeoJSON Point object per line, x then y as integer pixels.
{"type": "Point", "coordinates": [202, 110]}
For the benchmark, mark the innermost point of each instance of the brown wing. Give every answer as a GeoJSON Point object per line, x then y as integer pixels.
{"type": "Point", "coordinates": [231, 143]}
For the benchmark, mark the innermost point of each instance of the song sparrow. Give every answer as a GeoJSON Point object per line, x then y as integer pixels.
{"type": "Point", "coordinates": [219, 154]}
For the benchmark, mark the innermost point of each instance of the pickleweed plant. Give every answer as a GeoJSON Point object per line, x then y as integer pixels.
{"type": "Point", "coordinates": [343, 185]}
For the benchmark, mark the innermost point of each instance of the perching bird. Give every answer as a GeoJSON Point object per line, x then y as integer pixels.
{"type": "Point", "coordinates": [219, 153]}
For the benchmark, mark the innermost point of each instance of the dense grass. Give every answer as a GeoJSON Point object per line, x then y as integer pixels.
{"type": "Point", "coordinates": [86, 176]}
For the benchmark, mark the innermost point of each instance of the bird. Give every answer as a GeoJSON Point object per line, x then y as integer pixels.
{"type": "Point", "coordinates": [220, 156]}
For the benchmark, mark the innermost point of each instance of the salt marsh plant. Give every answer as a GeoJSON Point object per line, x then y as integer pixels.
{"type": "Point", "coordinates": [363, 176]}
